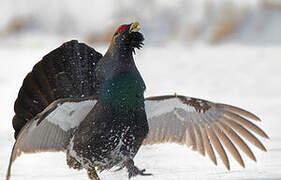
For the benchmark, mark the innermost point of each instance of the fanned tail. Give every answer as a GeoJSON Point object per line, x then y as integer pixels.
{"type": "Point", "coordinates": [68, 71]}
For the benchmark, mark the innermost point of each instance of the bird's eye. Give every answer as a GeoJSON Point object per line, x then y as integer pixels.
{"type": "Point", "coordinates": [120, 29]}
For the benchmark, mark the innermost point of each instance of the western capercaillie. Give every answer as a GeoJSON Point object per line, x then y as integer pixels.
{"type": "Point", "coordinates": [93, 108]}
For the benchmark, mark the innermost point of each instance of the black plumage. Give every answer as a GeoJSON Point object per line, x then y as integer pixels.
{"type": "Point", "coordinates": [93, 108]}
{"type": "Point", "coordinates": [68, 71]}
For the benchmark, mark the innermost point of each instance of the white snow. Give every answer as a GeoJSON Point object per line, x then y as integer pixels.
{"type": "Point", "coordinates": [244, 76]}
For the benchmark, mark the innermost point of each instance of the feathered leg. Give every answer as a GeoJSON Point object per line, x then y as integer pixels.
{"type": "Point", "coordinates": [72, 162]}
{"type": "Point", "coordinates": [92, 174]}
{"type": "Point", "coordinates": [134, 171]}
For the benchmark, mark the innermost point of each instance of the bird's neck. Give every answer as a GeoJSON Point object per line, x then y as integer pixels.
{"type": "Point", "coordinates": [123, 91]}
{"type": "Point", "coordinates": [120, 83]}
{"type": "Point", "coordinates": [118, 49]}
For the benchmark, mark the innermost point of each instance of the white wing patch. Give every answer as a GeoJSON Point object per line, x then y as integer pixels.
{"type": "Point", "coordinates": [69, 114]}
{"type": "Point", "coordinates": [157, 108]}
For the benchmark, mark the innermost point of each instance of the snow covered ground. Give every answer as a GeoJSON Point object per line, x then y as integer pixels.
{"type": "Point", "coordinates": [245, 76]}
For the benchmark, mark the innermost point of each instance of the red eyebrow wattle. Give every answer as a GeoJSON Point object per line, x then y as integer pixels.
{"type": "Point", "coordinates": [121, 28]}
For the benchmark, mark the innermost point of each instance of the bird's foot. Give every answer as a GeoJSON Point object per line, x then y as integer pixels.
{"type": "Point", "coordinates": [134, 171]}
{"type": "Point", "coordinates": [72, 162]}
{"type": "Point", "coordinates": [120, 168]}
{"type": "Point", "coordinates": [92, 174]}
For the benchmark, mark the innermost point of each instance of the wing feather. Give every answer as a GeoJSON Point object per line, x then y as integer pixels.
{"type": "Point", "coordinates": [203, 126]}
{"type": "Point", "coordinates": [237, 139]}
{"type": "Point", "coordinates": [239, 111]}
{"type": "Point", "coordinates": [244, 132]}
{"type": "Point", "coordinates": [228, 144]}
{"type": "Point", "coordinates": [244, 122]}
{"type": "Point", "coordinates": [207, 145]}
{"type": "Point", "coordinates": [51, 129]}
{"type": "Point", "coordinates": [190, 137]}
{"type": "Point", "coordinates": [161, 133]}
{"type": "Point", "coordinates": [218, 146]}
{"type": "Point", "coordinates": [170, 127]}
{"type": "Point", "coordinates": [198, 140]}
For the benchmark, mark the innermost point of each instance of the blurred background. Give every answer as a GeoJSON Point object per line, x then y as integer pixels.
{"type": "Point", "coordinates": [226, 51]}
{"type": "Point", "coordinates": [252, 22]}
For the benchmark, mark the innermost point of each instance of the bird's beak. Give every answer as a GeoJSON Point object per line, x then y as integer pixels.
{"type": "Point", "coordinates": [135, 27]}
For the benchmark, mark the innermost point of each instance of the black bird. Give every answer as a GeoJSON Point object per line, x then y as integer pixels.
{"type": "Point", "coordinates": [93, 108]}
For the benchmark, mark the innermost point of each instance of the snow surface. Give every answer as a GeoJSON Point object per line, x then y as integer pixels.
{"type": "Point", "coordinates": [247, 77]}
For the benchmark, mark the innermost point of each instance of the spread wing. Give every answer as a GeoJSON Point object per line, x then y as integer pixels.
{"type": "Point", "coordinates": [52, 129]}
{"type": "Point", "coordinates": [202, 125]}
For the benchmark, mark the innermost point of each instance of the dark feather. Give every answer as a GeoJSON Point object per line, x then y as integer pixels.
{"type": "Point", "coordinates": [68, 71]}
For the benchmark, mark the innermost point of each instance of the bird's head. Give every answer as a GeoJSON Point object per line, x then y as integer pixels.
{"type": "Point", "coordinates": [126, 38]}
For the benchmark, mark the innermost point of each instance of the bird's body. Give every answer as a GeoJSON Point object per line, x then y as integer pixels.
{"type": "Point", "coordinates": [109, 138]}
{"type": "Point", "coordinates": [93, 108]}
{"type": "Point", "coordinates": [113, 133]}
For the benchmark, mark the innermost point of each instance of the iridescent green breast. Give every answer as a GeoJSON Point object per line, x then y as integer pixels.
{"type": "Point", "coordinates": [123, 91]}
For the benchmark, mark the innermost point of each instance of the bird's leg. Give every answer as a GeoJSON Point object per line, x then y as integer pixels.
{"type": "Point", "coordinates": [92, 174]}
{"type": "Point", "coordinates": [133, 170]}
{"type": "Point", "coordinates": [72, 162]}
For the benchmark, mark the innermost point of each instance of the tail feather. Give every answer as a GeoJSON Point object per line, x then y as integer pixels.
{"type": "Point", "coordinates": [68, 71]}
